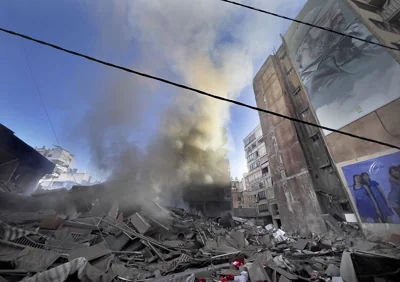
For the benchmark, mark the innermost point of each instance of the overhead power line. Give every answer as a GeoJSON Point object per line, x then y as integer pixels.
{"type": "Point", "coordinates": [309, 24]}
{"type": "Point", "coordinates": [40, 95]}
{"type": "Point", "coordinates": [193, 89]}
{"type": "Point", "coordinates": [58, 141]}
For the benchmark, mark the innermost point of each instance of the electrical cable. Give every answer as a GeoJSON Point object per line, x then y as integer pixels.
{"type": "Point", "coordinates": [40, 95]}
{"type": "Point", "coordinates": [309, 24]}
{"type": "Point", "coordinates": [59, 144]}
{"type": "Point", "coordinates": [193, 89]}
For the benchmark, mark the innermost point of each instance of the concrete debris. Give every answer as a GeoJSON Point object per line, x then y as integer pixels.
{"type": "Point", "coordinates": [140, 223]}
{"type": "Point", "coordinates": [51, 222]}
{"type": "Point", "coordinates": [332, 270]}
{"type": "Point", "coordinates": [301, 244]}
{"type": "Point", "coordinates": [179, 246]}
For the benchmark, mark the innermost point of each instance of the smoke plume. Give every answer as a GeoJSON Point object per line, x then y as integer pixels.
{"type": "Point", "coordinates": [210, 46]}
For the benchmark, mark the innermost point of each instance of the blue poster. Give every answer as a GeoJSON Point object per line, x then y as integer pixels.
{"type": "Point", "coordinates": [375, 187]}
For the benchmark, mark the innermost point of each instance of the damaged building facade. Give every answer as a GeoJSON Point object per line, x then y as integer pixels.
{"type": "Point", "coordinates": [259, 193]}
{"type": "Point", "coordinates": [21, 166]}
{"type": "Point", "coordinates": [328, 79]}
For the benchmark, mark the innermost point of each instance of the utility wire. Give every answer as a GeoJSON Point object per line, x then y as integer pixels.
{"type": "Point", "coordinates": [40, 95]}
{"type": "Point", "coordinates": [194, 89]}
{"type": "Point", "coordinates": [59, 144]}
{"type": "Point", "coordinates": [309, 24]}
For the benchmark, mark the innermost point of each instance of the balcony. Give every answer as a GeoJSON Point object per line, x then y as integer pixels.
{"type": "Point", "coordinates": [391, 11]}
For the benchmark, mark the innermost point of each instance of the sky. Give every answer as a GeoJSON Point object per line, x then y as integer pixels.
{"type": "Point", "coordinates": [207, 44]}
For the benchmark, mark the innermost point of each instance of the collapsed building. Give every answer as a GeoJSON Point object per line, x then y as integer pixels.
{"type": "Point", "coordinates": [21, 165]}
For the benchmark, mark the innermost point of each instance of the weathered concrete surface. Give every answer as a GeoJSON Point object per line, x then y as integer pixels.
{"type": "Point", "coordinates": [344, 148]}
{"type": "Point", "coordinates": [298, 206]}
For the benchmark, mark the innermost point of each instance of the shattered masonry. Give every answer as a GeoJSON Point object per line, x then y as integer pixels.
{"type": "Point", "coordinates": [170, 244]}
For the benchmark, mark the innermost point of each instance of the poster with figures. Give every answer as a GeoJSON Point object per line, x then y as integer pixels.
{"type": "Point", "coordinates": [341, 73]}
{"type": "Point", "coordinates": [374, 185]}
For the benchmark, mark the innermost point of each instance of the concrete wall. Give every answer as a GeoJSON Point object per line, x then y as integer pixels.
{"type": "Point", "coordinates": [237, 199]}
{"type": "Point", "coordinates": [346, 149]}
{"type": "Point", "coordinates": [382, 124]}
{"type": "Point", "coordinates": [328, 186]}
{"type": "Point", "coordinates": [298, 206]}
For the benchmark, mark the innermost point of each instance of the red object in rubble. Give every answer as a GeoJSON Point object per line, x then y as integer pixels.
{"type": "Point", "coordinates": [237, 264]}
{"type": "Point", "coordinates": [202, 280]}
{"type": "Point", "coordinates": [227, 278]}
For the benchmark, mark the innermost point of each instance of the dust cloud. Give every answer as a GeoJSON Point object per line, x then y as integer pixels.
{"type": "Point", "coordinates": [208, 47]}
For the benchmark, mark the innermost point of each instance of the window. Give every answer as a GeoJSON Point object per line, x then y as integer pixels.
{"type": "Point", "coordinates": [265, 170]}
{"type": "Point", "coordinates": [252, 156]}
{"type": "Point", "coordinates": [315, 137]}
{"type": "Point", "coordinates": [386, 26]}
{"type": "Point", "coordinates": [289, 71]}
{"type": "Point", "coordinates": [283, 56]}
{"type": "Point", "coordinates": [253, 165]}
{"type": "Point", "coordinates": [297, 90]}
{"type": "Point", "coordinates": [49, 155]}
{"type": "Point", "coordinates": [262, 195]}
{"type": "Point", "coordinates": [249, 140]}
{"type": "Point", "coordinates": [263, 208]}
{"type": "Point", "coordinates": [307, 116]}
{"type": "Point", "coordinates": [305, 113]}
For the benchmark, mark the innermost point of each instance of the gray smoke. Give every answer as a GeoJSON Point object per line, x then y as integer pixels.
{"type": "Point", "coordinates": [190, 144]}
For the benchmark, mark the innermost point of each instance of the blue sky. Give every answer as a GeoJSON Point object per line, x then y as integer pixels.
{"type": "Point", "coordinates": [70, 86]}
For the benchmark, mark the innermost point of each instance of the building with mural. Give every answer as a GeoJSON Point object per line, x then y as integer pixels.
{"type": "Point", "coordinates": [345, 84]}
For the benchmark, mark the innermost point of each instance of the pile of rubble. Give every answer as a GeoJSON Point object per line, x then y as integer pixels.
{"type": "Point", "coordinates": [177, 246]}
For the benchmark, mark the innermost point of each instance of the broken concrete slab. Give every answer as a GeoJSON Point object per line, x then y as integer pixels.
{"type": "Point", "coordinates": [282, 272]}
{"type": "Point", "coordinates": [113, 213]}
{"type": "Point", "coordinates": [116, 243]}
{"type": "Point", "coordinates": [238, 236]}
{"type": "Point", "coordinates": [301, 244]}
{"type": "Point", "coordinates": [284, 279]}
{"type": "Point", "coordinates": [89, 253]}
{"type": "Point", "coordinates": [332, 223]}
{"type": "Point", "coordinates": [51, 222]}
{"type": "Point", "coordinates": [141, 225]}
{"type": "Point", "coordinates": [63, 246]}
{"type": "Point", "coordinates": [266, 240]}
{"type": "Point", "coordinates": [173, 243]}
{"type": "Point", "coordinates": [332, 270]}
{"type": "Point", "coordinates": [327, 242]}
{"type": "Point", "coordinates": [258, 273]}
{"type": "Point", "coordinates": [63, 234]}
{"type": "Point", "coordinates": [35, 260]}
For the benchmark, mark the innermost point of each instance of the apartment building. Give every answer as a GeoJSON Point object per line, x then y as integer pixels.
{"type": "Point", "coordinates": [344, 84]}
{"type": "Point", "coordinates": [382, 18]}
{"type": "Point", "coordinates": [63, 159]}
{"type": "Point", "coordinates": [259, 193]}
